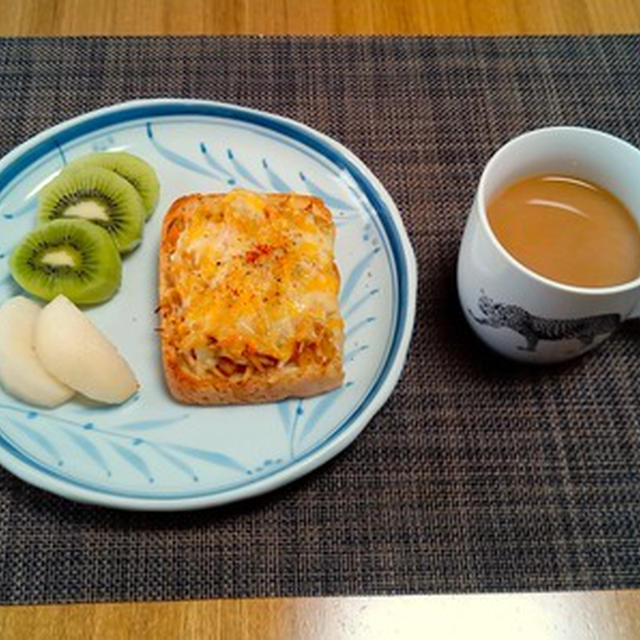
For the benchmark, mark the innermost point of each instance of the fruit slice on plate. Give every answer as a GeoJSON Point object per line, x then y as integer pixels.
{"type": "Point", "coordinates": [99, 196]}
{"type": "Point", "coordinates": [132, 168]}
{"type": "Point", "coordinates": [72, 348]}
{"type": "Point", "coordinates": [21, 372]}
{"type": "Point", "coordinates": [72, 257]}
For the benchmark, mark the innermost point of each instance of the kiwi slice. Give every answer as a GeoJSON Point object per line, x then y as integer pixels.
{"type": "Point", "coordinates": [99, 196]}
{"type": "Point", "coordinates": [132, 168]}
{"type": "Point", "coordinates": [73, 257]}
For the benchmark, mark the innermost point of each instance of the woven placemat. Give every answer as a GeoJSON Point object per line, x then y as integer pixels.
{"type": "Point", "coordinates": [477, 475]}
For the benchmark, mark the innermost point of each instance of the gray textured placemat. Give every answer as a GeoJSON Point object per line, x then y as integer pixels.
{"type": "Point", "coordinates": [477, 475]}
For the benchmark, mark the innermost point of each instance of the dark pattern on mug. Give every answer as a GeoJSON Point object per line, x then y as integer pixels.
{"type": "Point", "coordinates": [533, 328]}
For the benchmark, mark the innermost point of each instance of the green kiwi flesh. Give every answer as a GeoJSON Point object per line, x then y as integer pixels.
{"type": "Point", "coordinates": [132, 168]}
{"type": "Point", "coordinates": [99, 196]}
{"type": "Point", "coordinates": [73, 257]}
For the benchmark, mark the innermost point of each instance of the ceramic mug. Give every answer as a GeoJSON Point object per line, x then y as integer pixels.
{"type": "Point", "coordinates": [515, 311]}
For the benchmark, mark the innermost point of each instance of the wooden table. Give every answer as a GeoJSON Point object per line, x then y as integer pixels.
{"type": "Point", "coordinates": [139, 17]}
{"type": "Point", "coordinates": [601, 615]}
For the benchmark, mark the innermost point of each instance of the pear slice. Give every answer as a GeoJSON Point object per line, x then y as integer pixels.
{"type": "Point", "coordinates": [73, 349]}
{"type": "Point", "coordinates": [21, 373]}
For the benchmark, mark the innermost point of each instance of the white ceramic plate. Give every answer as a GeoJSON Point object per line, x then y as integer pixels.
{"type": "Point", "coordinates": [153, 453]}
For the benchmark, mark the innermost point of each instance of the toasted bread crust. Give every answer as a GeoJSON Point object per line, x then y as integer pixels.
{"type": "Point", "coordinates": [300, 380]}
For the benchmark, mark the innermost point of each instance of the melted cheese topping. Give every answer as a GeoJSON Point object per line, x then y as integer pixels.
{"type": "Point", "coordinates": [256, 278]}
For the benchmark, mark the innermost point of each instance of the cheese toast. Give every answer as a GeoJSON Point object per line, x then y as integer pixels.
{"type": "Point", "coordinates": [248, 298]}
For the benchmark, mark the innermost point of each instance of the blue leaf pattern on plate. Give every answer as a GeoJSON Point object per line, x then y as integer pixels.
{"type": "Point", "coordinates": [356, 305]}
{"type": "Point", "coordinates": [146, 425]}
{"type": "Point", "coordinates": [210, 456]}
{"type": "Point", "coordinates": [134, 460]}
{"type": "Point", "coordinates": [355, 276]}
{"type": "Point", "coordinates": [329, 199]}
{"type": "Point", "coordinates": [276, 181]}
{"type": "Point", "coordinates": [363, 323]}
{"type": "Point", "coordinates": [167, 450]}
{"type": "Point", "coordinates": [292, 434]}
{"type": "Point", "coordinates": [177, 158]}
{"type": "Point", "coordinates": [214, 164]}
{"type": "Point", "coordinates": [284, 409]}
{"type": "Point", "coordinates": [28, 207]}
{"type": "Point", "coordinates": [242, 171]}
{"type": "Point", "coordinates": [176, 462]}
{"type": "Point", "coordinates": [90, 449]}
{"type": "Point", "coordinates": [320, 409]}
{"type": "Point", "coordinates": [354, 352]}
{"type": "Point", "coordinates": [39, 439]}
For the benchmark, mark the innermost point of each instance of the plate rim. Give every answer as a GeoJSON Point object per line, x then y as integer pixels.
{"type": "Point", "coordinates": [336, 443]}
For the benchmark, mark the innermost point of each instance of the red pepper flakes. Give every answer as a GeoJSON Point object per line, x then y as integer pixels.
{"type": "Point", "coordinates": [258, 251]}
